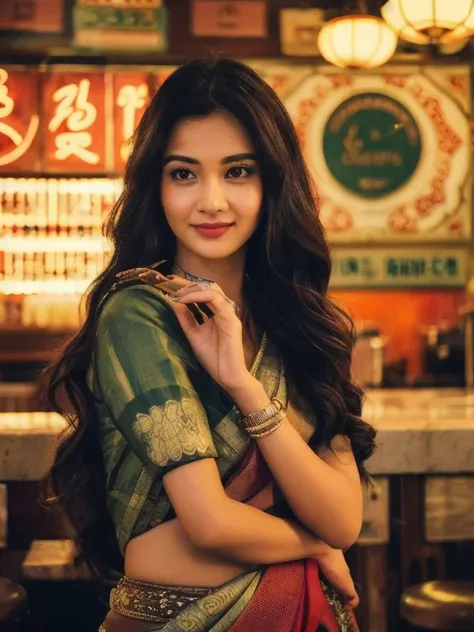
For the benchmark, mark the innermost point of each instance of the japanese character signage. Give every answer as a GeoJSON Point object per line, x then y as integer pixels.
{"type": "Point", "coordinates": [399, 268]}
{"type": "Point", "coordinates": [75, 111]}
{"type": "Point", "coordinates": [131, 97]}
{"type": "Point", "coordinates": [391, 154]}
{"type": "Point", "coordinates": [19, 120]}
{"type": "Point", "coordinates": [72, 121]}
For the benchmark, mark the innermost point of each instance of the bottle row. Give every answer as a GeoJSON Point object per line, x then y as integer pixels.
{"type": "Point", "coordinates": [50, 272]}
{"type": "Point", "coordinates": [51, 233]}
{"type": "Point", "coordinates": [44, 206]}
{"type": "Point", "coordinates": [41, 311]}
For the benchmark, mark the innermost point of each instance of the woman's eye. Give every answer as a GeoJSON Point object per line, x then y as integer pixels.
{"type": "Point", "coordinates": [240, 172]}
{"type": "Point", "coordinates": [181, 174]}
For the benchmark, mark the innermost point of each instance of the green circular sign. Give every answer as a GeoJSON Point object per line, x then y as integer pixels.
{"type": "Point", "coordinates": [371, 144]}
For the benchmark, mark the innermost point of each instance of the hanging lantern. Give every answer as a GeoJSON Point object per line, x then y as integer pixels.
{"type": "Point", "coordinates": [430, 21]}
{"type": "Point", "coordinates": [357, 41]}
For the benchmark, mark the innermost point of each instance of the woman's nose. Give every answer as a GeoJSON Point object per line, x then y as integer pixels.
{"type": "Point", "coordinates": [213, 196]}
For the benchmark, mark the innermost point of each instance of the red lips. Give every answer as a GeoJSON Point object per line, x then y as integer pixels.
{"type": "Point", "coordinates": [214, 225]}
{"type": "Point", "coordinates": [213, 230]}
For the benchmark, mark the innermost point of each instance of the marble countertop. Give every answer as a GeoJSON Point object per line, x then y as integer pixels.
{"type": "Point", "coordinates": [421, 431]}
{"type": "Point", "coordinates": [418, 431]}
{"type": "Point", "coordinates": [27, 443]}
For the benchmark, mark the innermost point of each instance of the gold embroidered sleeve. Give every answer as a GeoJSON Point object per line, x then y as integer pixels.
{"type": "Point", "coordinates": [173, 432]}
{"type": "Point", "coordinates": [147, 377]}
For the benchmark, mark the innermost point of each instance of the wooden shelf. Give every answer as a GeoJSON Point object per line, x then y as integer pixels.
{"type": "Point", "coordinates": [31, 344]}
{"type": "Point", "coordinates": [36, 331]}
{"type": "Point", "coordinates": [18, 357]}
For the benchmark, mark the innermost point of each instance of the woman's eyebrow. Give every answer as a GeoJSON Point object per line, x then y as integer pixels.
{"type": "Point", "coordinates": [224, 161]}
{"type": "Point", "coordinates": [175, 157]}
{"type": "Point", "coordinates": [237, 157]}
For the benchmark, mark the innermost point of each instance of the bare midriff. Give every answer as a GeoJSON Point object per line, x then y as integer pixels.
{"type": "Point", "coordinates": [164, 555]}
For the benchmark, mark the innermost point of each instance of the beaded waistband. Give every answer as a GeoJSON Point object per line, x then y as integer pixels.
{"type": "Point", "coordinates": [152, 602]}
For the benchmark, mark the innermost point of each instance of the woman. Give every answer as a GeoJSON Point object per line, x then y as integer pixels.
{"type": "Point", "coordinates": [213, 415]}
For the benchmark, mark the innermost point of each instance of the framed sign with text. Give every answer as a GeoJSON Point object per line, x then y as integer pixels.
{"type": "Point", "coordinates": [40, 16]}
{"type": "Point", "coordinates": [133, 24]}
{"type": "Point", "coordinates": [299, 30]}
{"type": "Point", "coordinates": [398, 268]}
{"type": "Point", "coordinates": [19, 120]}
{"type": "Point", "coordinates": [131, 97]}
{"type": "Point", "coordinates": [75, 132]}
{"type": "Point", "coordinates": [229, 18]}
{"type": "Point", "coordinates": [390, 152]}
{"type": "Point", "coordinates": [371, 145]}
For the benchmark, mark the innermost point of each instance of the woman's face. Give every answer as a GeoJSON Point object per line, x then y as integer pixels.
{"type": "Point", "coordinates": [211, 188]}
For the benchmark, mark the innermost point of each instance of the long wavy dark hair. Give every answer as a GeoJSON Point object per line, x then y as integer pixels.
{"type": "Point", "coordinates": [288, 267]}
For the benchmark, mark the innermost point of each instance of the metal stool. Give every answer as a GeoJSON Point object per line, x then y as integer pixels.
{"type": "Point", "coordinates": [446, 606]}
{"type": "Point", "coordinates": [13, 605]}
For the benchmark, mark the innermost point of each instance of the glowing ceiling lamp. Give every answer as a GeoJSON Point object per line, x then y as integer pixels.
{"type": "Point", "coordinates": [430, 21]}
{"type": "Point", "coordinates": [357, 41]}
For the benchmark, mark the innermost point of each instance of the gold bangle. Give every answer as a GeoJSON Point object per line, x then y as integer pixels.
{"type": "Point", "coordinates": [263, 415]}
{"type": "Point", "coordinates": [267, 423]}
{"type": "Point", "coordinates": [271, 427]}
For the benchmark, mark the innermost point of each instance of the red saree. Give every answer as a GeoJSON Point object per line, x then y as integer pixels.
{"type": "Point", "coordinates": [290, 597]}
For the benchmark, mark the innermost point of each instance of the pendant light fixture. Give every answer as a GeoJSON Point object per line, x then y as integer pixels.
{"type": "Point", "coordinates": [430, 21]}
{"type": "Point", "coordinates": [357, 40]}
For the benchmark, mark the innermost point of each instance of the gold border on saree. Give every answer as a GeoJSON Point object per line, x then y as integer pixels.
{"type": "Point", "coordinates": [153, 603]}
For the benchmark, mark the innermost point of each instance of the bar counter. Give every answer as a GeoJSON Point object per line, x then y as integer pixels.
{"type": "Point", "coordinates": [413, 508]}
{"type": "Point", "coordinates": [419, 432]}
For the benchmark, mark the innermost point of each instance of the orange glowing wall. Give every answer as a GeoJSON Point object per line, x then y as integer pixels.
{"type": "Point", "coordinates": [401, 315]}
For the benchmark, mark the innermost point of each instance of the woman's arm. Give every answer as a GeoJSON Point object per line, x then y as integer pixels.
{"type": "Point", "coordinates": [214, 522]}
{"type": "Point", "coordinates": [323, 490]}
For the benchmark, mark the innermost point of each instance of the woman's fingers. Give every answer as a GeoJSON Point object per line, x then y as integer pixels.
{"type": "Point", "coordinates": [185, 318]}
{"type": "Point", "coordinates": [334, 567]}
{"type": "Point", "coordinates": [217, 302]}
{"type": "Point", "coordinates": [173, 285]}
{"type": "Point", "coordinates": [352, 598]}
{"type": "Point", "coordinates": [199, 287]}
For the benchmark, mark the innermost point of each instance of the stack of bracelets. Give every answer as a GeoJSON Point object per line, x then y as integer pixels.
{"type": "Point", "coordinates": [266, 420]}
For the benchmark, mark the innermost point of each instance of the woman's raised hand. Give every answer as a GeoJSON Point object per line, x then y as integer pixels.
{"type": "Point", "coordinates": [217, 343]}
